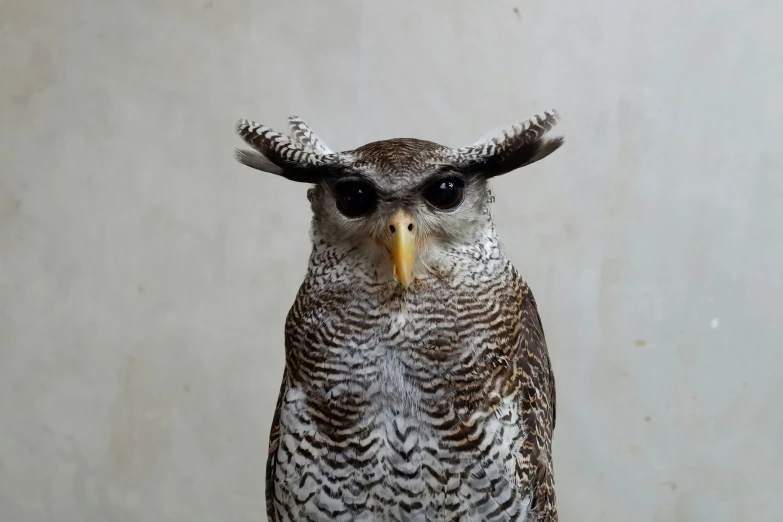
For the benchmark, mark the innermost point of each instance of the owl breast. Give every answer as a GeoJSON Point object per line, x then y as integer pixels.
{"type": "Point", "coordinates": [398, 407]}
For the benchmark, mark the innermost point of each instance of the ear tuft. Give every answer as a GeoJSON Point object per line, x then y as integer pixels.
{"type": "Point", "coordinates": [257, 161]}
{"type": "Point", "coordinates": [300, 159]}
{"type": "Point", "coordinates": [302, 134]}
{"type": "Point", "coordinates": [513, 147]}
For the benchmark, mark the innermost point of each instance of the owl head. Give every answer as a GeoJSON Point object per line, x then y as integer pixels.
{"type": "Point", "coordinates": [404, 202]}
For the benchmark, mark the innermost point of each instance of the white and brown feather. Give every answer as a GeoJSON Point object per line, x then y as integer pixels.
{"type": "Point", "coordinates": [435, 403]}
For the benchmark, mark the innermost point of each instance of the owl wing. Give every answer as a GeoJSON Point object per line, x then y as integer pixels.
{"type": "Point", "coordinates": [536, 385]}
{"type": "Point", "coordinates": [274, 443]}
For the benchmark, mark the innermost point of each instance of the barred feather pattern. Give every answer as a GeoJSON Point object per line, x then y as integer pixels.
{"type": "Point", "coordinates": [266, 140]}
{"type": "Point", "coordinates": [510, 138]}
{"type": "Point", "coordinates": [302, 134]}
{"type": "Point", "coordinates": [431, 404]}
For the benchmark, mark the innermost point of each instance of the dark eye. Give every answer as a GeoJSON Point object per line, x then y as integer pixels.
{"type": "Point", "coordinates": [445, 193]}
{"type": "Point", "coordinates": [355, 198]}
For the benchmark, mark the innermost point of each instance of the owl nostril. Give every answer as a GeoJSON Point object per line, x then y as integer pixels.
{"type": "Point", "coordinates": [393, 229]}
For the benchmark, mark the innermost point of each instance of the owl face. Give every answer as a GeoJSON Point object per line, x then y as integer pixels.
{"type": "Point", "coordinates": [401, 203]}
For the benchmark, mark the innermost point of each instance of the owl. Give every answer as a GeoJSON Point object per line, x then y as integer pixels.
{"type": "Point", "coordinates": [417, 383]}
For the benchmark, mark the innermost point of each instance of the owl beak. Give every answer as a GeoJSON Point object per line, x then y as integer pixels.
{"type": "Point", "coordinates": [403, 246]}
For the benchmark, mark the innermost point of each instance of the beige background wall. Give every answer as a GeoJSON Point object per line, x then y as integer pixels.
{"type": "Point", "coordinates": [145, 277]}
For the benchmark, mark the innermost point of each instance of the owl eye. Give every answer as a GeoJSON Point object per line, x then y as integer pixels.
{"type": "Point", "coordinates": [445, 193]}
{"type": "Point", "coordinates": [355, 198]}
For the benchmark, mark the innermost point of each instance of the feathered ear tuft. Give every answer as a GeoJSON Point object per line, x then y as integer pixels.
{"type": "Point", "coordinates": [257, 161]}
{"type": "Point", "coordinates": [511, 148]}
{"type": "Point", "coordinates": [298, 160]}
{"type": "Point", "coordinates": [304, 136]}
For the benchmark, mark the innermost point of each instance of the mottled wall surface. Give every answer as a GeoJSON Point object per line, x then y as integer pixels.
{"type": "Point", "coordinates": [145, 276]}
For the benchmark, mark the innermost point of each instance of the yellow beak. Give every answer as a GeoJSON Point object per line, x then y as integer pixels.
{"type": "Point", "coordinates": [403, 246]}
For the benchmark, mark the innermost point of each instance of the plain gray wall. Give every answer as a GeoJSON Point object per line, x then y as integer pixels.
{"type": "Point", "coordinates": [145, 276]}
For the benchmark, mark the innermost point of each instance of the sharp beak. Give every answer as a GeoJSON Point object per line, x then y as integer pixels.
{"type": "Point", "coordinates": [403, 246]}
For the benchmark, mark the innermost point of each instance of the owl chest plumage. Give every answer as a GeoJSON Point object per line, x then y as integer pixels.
{"type": "Point", "coordinates": [401, 406]}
